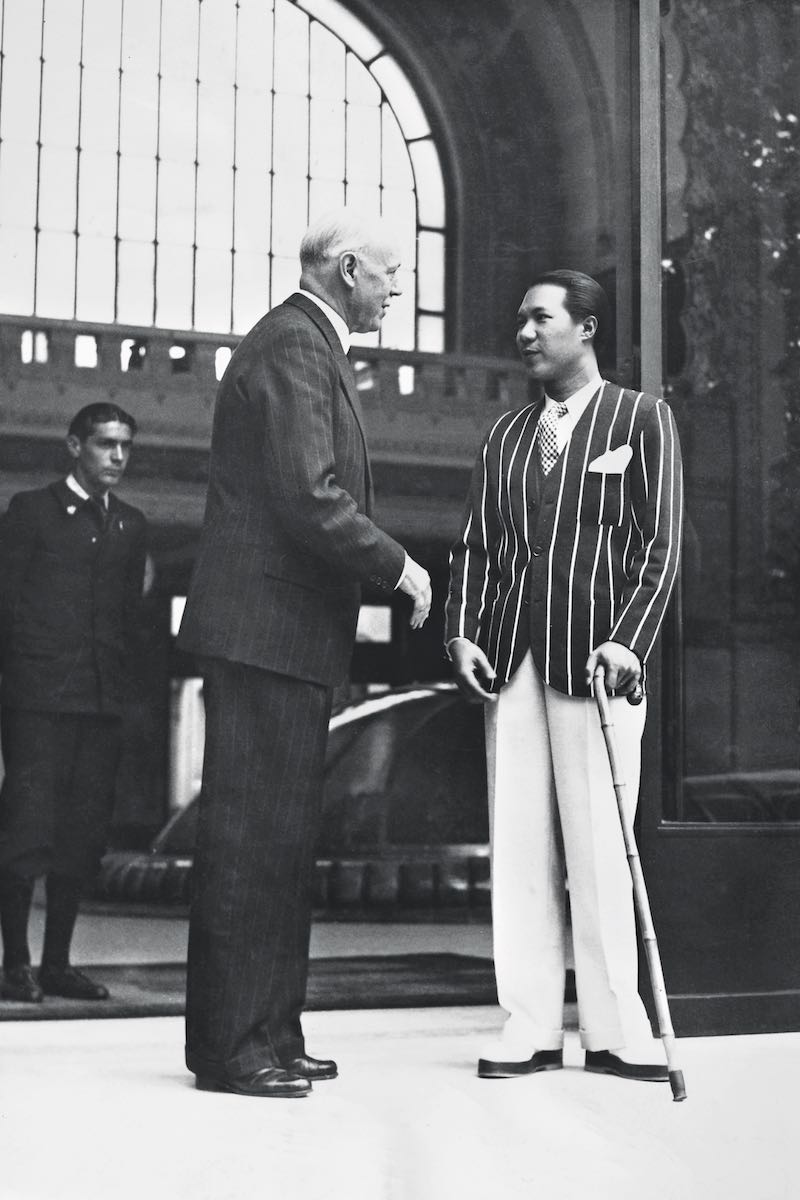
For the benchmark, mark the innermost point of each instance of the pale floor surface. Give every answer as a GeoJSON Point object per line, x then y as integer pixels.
{"type": "Point", "coordinates": [407, 1120]}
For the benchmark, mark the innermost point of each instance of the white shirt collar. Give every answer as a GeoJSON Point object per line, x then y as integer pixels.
{"type": "Point", "coordinates": [577, 402]}
{"type": "Point", "coordinates": [338, 323]}
{"type": "Point", "coordinates": [75, 487]}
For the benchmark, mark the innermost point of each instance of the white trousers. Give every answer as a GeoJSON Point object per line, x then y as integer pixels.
{"type": "Point", "coordinates": [553, 813]}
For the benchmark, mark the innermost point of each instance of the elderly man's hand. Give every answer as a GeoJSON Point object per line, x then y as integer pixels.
{"type": "Point", "coordinates": [416, 583]}
{"type": "Point", "coordinates": [473, 672]}
{"type": "Point", "coordinates": [622, 667]}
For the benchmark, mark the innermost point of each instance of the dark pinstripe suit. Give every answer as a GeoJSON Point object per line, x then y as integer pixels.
{"type": "Point", "coordinates": [272, 609]}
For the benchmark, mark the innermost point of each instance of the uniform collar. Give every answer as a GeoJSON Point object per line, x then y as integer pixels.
{"type": "Point", "coordinates": [75, 487]}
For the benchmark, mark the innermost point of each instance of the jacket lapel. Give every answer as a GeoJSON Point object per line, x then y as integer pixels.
{"type": "Point", "coordinates": [346, 374]}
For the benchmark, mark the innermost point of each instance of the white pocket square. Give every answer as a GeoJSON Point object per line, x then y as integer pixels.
{"type": "Point", "coordinates": [613, 462]}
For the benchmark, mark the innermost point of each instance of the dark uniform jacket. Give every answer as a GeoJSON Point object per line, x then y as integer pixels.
{"type": "Point", "coordinates": [287, 537]}
{"type": "Point", "coordinates": [70, 596]}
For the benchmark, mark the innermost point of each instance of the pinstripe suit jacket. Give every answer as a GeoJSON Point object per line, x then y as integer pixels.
{"type": "Point", "coordinates": [589, 554]}
{"type": "Point", "coordinates": [287, 536]}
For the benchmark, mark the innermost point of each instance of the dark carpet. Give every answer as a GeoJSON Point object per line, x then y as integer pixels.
{"type": "Point", "coordinates": [380, 981]}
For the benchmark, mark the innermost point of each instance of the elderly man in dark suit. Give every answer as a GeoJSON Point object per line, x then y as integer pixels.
{"type": "Point", "coordinates": [72, 559]}
{"type": "Point", "coordinates": [272, 608]}
{"type": "Point", "coordinates": [567, 558]}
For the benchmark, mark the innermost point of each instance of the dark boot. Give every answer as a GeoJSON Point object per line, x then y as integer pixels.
{"type": "Point", "coordinates": [56, 976]}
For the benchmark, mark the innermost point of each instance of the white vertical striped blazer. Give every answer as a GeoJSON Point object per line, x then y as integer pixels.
{"type": "Point", "coordinates": [587, 555]}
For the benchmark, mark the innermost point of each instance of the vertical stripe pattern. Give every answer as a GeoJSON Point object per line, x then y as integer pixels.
{"type": "Point", "coordinates": [588, 554]}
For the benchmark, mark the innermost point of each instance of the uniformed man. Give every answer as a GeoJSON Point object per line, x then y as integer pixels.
{"type": "Point", "coordinates": [72, 560]}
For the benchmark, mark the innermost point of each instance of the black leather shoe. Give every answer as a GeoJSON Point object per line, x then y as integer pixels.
{"type": "Point", "coordinates": [19, 983]}
{"type": "Point", "coordinates": [311, 1068]}
{"type": "Point", "coordinates": [603, 1062]}
{"type": "Point", "coordinates": [542, 1060]}
{"type": "Point", "coordinates": [69, 982]}
{"type": "Point", "coordinates": [269, 1081]}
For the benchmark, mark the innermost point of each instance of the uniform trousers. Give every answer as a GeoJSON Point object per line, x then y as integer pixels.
{"type": "Point", "coordinates": [57, 796]}
{"type": "Point", "coordinates": [553, 816]}
{"type": "Point", "coordinates": [253, 871]}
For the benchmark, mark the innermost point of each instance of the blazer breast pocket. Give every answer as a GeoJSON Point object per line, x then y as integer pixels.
{"type": "Point", "coordinates": [603, 501]}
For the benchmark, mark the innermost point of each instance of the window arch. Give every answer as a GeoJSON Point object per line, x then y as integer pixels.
{"type": "Point", "coordinates": [159, 160]}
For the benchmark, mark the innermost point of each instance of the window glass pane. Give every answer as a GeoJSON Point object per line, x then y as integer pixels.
{"type": "Point", "coordinates": [363, 145]}
{"type": "Point", "coordinates": [96, 271]}
{"type": "Point", "coordinates": [430, 185]}
{"type": "Point", "coordinates": [324, 195]}
{"type": "Point", "coordinates": [291, 136]}
{"type": "Point", "coordinates": [17, 183]}
{"type": "Point", "coordinates": [217, 42]}
{"type": "Point", "coordinates": [250, 290]}
{"type": "Point", "coordinates": [17, 247]}
{"type": "Point", "coordinates": [179, 36]}
{"type": "Point", "coordinates": [55, 284]}
{"type": "Point", "coordinates": [327, 140]}
{"type": "Point", "coordinates": [364, 199]}
{"type": "Point", "coordinates": [254, 46]}
{"type": "Point", "coordinates": [401, 96]}
{"type": "Point", "coordinates": [732, 298]}
{"type": "Point", "coordinates": [57, 189]}
{"type": "Point", "coordinates": [97, 196]}
{"type": "Point", "coordinates": [430, 334]}
{"type": "Point", "coordinates": [400, 210]}
{"type": "Point", "coordinates": [212, 290]}
{"type": "Point", "coordinates": [137, 196]}
{"type": "Point", "coordinates": [396, 165]}
{"type": "Point", "coordinates": [345, 25]}
{"type": "Point", "coordinates": [99, 129]}
{"type": "Point", "coordinates": [291, 61]}
{"type": "Point", "coordinates": [174, 285]}
{"type": "Point", "coordinates": [361, 89]}
{"type": "Point", "coordinates": [135, 290]}
{"type": "Point", "coordinates": [430, 271]}
{"type": "Point", "coordinates": [327, 65]}
{"type": "Point", "coordinates": [253, 131]}
{"type": "Point", "coordinates": [289, 214]}
{"type": "Point", "coordinates": [140, 27]}
{"type": "Point", "coordinates": [252, 230]}
{"type": "Point", "coordinates": [176, 203]}
{"type": "Point", "coordinates": [139, 113]}
{"type": "Point", "coordinates": [102, 21]}
{"type": "Point", "coordinates": [178, 125]}
{"type": "Point", "coordinates": [214, 207]}
{"type": "Point", "coordinates": [19, 115]}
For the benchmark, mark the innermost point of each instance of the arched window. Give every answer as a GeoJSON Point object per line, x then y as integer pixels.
{"type": "Point", "coordinates": [159, 160]}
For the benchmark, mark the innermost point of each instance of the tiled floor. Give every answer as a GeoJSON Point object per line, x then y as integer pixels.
{"type": "Point", "coordinates": [106, 1111]}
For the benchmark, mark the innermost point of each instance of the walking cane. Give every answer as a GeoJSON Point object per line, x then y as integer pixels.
{"type": "Point", "coordinates": [641, 901]}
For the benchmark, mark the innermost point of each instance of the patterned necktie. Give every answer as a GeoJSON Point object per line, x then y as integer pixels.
{"type": "Point", "coordinates": [547, 440]}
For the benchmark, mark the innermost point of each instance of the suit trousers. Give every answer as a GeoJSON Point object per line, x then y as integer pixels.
{"type": "Point", "coordinates": [553, 817]}
{"type": "Point", "coordinates": [253, 871]}
{"type": "Point", "coordinates": [58, 792]}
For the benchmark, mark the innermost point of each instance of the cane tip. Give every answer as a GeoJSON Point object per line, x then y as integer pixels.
{"type": "Point", "coordinates": [677, 1085]}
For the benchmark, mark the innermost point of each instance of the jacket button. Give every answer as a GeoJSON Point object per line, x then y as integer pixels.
{"type": "Point", "coordinates": [537, 550]}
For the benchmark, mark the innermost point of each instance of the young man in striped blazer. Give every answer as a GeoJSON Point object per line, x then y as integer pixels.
{"type": "Point", "coordinates": [566, 561]}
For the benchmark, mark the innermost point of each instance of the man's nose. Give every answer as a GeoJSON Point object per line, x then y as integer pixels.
{"type": "Point", "coordinates": [118, 454]}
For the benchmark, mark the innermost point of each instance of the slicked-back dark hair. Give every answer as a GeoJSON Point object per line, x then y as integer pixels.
{"type": "Point", "coordinates": [84, 423]}
{"type": "Point", "coordinates": [584, 298]}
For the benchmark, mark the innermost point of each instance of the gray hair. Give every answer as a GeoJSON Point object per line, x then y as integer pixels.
{"type": "Point", "coordinates": [337, 232]}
